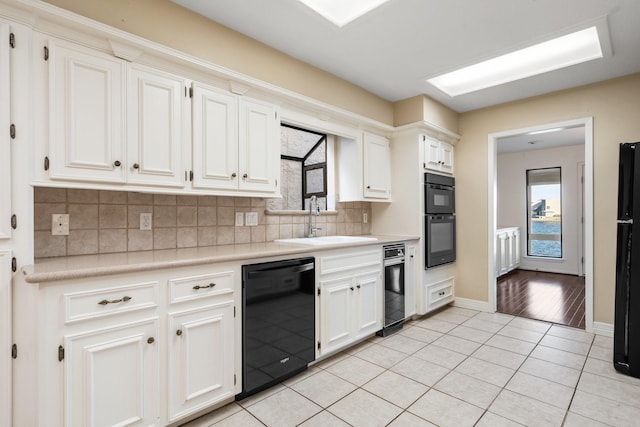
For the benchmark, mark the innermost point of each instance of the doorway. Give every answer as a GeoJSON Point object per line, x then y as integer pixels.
{"type": "Point", "coordinates": [577, 256]}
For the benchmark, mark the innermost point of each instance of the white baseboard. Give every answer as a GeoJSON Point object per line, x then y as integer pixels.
{"type": "Point", "coordinates": [471, 304]}
{"type": "Point", "coordinates": [600, 328]}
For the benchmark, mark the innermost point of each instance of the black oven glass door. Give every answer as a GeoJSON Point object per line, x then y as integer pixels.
{"type": "Point", "coordinates": [440, 239]}
{"type": "Point", "coordinates": [439, 194]}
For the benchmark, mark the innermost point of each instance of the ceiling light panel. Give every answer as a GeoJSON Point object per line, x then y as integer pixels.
{"type": "Point", "coordinates": [341, 12]}
{"type": "Point", "coordinates": [574, 48]}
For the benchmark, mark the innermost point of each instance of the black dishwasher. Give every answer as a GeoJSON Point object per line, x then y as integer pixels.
{"type": "Point", "coordinates": [278, 322]}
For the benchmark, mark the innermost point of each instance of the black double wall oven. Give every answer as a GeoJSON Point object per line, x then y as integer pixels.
{"type": "Point", "coordinates": [439, 220]}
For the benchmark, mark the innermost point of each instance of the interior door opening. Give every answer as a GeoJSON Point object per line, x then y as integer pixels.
{"type": "Point", "coordinates": [542, 243]}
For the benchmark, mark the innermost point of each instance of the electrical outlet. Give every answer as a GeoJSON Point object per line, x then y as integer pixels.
{"type": "Point", "coordinates": [365, 217]}
{"type": "Point", "coordinates": [239, 219]}
{"type": "Point", "coordinates": [251, 219]}
{"type": "Point", "coordinates": [60, 224]}
{"type": "Point", "coordinates": [145, 221]}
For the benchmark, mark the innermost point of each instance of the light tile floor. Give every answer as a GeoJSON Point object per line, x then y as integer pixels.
{"type": "Point", "coordinates": [458, 367]}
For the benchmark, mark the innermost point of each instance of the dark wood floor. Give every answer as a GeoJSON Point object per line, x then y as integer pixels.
{"type": "Point", "coordinates": [557, 298]}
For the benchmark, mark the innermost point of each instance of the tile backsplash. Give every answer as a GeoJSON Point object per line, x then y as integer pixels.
{"type": "Point", "coordinates": [109, 221]}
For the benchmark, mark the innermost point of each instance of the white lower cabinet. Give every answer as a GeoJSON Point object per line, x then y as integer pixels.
{"type": "Point", "coordinates": [201, 351]}
{"type": "Point", "coordinates": [139, 349]}
{"type": "Point", "coordinates": [111, 376]}
{"type": "Point", "coordinates": [507, 251]}
{"type": "Point", "coordinates": [350, 300]}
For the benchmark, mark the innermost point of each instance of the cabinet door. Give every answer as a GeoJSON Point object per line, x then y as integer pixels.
{"type": "Point", "coordinates": [5, 142]}
{"type": "Point", "coordinates": [5, 339]}
{"type": "Point", "coordinates": [156, 128]}
{"type": "Point", "coordinates": [259, 146]}
{"type": "Point", "coordinates": [201, 358]}
{"type": "Point", "coordinates": [215, 138]}
{"type": "Point", "coordinates": [410, 282]}
{"type": "Point", "coordinates": [515, 250]}
{"type": "Point", "coordinates": [336, 313]}
{"type": "Point", "coordinates": [446, 157]}
{"type": "Point", "coordinates": [431, 153]}
{"type": "Point", "coordinates": [377, 165]}
{"type": "Point", "coordinates": [368, 304]}
{"type": "Point", "coordinates": [86, 110]}
{"type": "Point", "coordinates": [111, 376]}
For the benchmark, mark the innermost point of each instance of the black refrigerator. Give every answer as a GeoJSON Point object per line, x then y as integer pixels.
{"type": "Point", "coordinates": [626, 342]}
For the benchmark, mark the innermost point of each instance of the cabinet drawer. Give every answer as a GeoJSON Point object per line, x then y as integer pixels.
{"type": "Point", "coordinates": [350, 261]}
{"type": "Point", "coordinates": [108, 301]}
{"type": "Point", "coordinates": [202, 286]}
{"type": "Point", "coordinates": [439, 293]}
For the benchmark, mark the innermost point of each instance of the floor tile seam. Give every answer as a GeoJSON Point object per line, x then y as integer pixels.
{"type": "Point", "coordinates": [381, 366]}
{"type": "Point", "coordinates": [520, 354]}
{"type": "Point", "coordinates": [526, 329]}
{"type": "Point", "coordinates": [519, 339]}
{"type": "Point", "coordinates": [561, 349]}
{"type": "Point", "coordinates": [366, 391]}
{"type": "Point", "coordinates": [540, 401]}
{"type": "Point", "coordinates": [533, 374]}
{"type": "Point", "coordinates": [457, 352]}
{"type": "Point", "coordinates": [252, 415]}
{"type": "Point", "coordinates": [230, 415]}
{"type": "Point", "coordinates": [610, 378]}
{"type": "Point", "coordinates": [408, 354]}
{"type": "Point", "coordinates": [474, 378]}
{"type": "Point", "coordinates": [570, 339]}
{"type": "Point", "coordinates": [534, 398]}
{"type": "Point", "coordinates": [573, 395]}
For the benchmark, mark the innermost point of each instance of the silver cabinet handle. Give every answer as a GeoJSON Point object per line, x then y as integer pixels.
{"type": "Point", "coordinates": [114, 301]}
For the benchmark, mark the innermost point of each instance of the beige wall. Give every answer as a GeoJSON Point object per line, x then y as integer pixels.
{"type": "Point", "coordinates": [172, 25]}
{"type": "Point", "coordinates": [615, 108]}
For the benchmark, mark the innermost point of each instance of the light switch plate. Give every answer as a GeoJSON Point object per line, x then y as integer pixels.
{"type": "Point", "coordinates": [251, 218]}
{"type": "Point", "coordinates": [239, 219]}
{"type": "Point", "coordinates": [60, 224]}
{"type": "Point", "coordinates": [145, 221]}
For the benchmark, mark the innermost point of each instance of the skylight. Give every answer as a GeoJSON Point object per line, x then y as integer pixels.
{"type": "Point", "coordinates": [574, 48]}
{"type": "Point", "coordinates": [341, 12]}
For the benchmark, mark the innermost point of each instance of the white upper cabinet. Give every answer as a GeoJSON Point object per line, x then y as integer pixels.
{"type": "Point", "coordinates": [236, 143]}
{"type": "Point", "coordinates": [259, 146]}
{"type": "Point", "coordinates": [215, 138]}
{"type": "Point", "coordinates": [377, 173]}
{"type": "Point", "coordinates": [364, 168]}
{"type": "Point", "coordinates": [438, 155]}
{"type": "Point", "coordinates": [156, 128]}
{"type": "Point", "coordinates": [86, 109]}
{"type": "Point", "coordinates": [5, 137]}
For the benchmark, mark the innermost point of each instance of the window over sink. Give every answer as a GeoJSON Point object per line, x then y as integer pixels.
{"type": "Point", "coordinates": [304, 168]}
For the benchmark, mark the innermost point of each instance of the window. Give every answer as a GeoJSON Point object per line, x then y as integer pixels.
{"type": "Point", "coordinates": [303, 167]}
{"type": "Point", "coordinates": [544, 213]}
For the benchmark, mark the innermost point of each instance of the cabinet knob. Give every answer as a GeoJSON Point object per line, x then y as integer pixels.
{"type": "Point", "coordinates": [351, 288]}
{"type": "Point", "coordinates": [358, 286]}
{"type": "Point", "coordinates": [233, 175]}
{"type": "Point", "coordinates": [151, 340]}
{"type": "Point", "coordinates": [117, 163]}
{"type": "Point", "coordinates": [210, 285]}
{"type": "Point", "coordinates": [368, 187]}
{"type": "Point", "coordinates": [245, 176]}
{"type": "Point", "coordinates": [179, 332]}
{"type": "Point", "coordinates": [136, 166]}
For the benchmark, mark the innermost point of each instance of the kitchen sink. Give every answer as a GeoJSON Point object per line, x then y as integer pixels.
{"type": "Point", "coordinates": [326, 240]}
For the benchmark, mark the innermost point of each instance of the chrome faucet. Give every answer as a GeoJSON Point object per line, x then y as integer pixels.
{"type": "Point", "coordinates": [313, 210]}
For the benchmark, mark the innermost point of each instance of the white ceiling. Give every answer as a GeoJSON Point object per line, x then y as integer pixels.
{"type": "Point", "coordinates": [542, 141]}
{"type": "Point", "coordinates": [394, 48]}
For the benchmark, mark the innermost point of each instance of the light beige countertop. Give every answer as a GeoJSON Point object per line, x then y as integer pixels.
{"type": "Point", "coordinates": [74, 267]}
